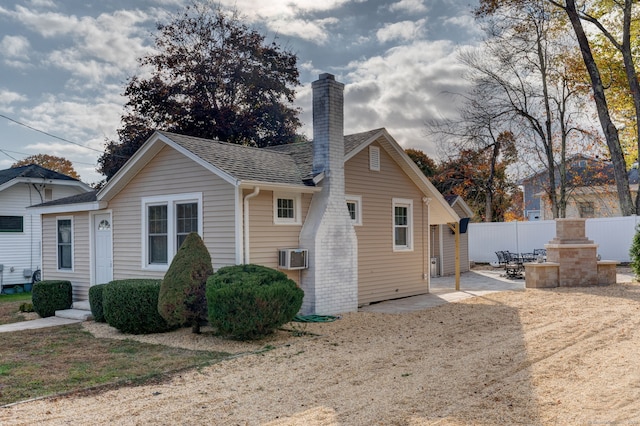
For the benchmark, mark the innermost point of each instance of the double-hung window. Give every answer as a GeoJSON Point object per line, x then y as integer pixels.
{"type": "Point", "coordinates": [287, 209]}
{"type": "Point", "coordinates": [64, 243]}
{"type": "Point", "coordinates": [167, 222]}
{"type": "Point", "coordinates": [402, 224]}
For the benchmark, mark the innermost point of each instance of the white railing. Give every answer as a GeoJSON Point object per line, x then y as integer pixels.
{"type": "Point", "coordinates": [612, 234]}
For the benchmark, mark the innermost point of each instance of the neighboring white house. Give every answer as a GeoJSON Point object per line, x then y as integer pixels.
{"type": "Point", "coordinates": [353, 211]}
{"type": "Point", "coordinates": [20, 228]}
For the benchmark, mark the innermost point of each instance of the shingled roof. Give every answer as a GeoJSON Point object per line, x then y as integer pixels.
{"type": "Point", "coordinates": [282, 164]}
{"type": "Point", "coordinates": [31, 171]}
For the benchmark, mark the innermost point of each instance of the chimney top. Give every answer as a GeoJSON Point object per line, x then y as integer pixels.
{"type": "Point", "coordinates": [326, 76]}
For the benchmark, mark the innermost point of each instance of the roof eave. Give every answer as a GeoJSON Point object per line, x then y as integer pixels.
{"type": "Point", "coordinates": [273, 186]}
{"type": "Point", "coordinates": [71, 208]}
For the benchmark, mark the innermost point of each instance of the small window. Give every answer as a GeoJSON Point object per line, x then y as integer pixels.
{"type": "Point", "coordinates": [65, 244]}
{"type": "Point", "coordinates": [374, 158]}
{"type": "Point", "coordinates": [286, 209]}
{"type": "Point", "coordinates": [354, 206]}
{"type": "Point", "coordinates": [104, 225]}
{"type": "Point", "coordinates": [11, 224]}
{"type": "Point", "coordinates": [402, 224]}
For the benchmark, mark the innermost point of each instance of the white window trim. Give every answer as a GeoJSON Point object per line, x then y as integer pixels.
{"type": "Point", "coordinates": [170, 201]}
{"type": "Point", "coordinates": [357, 199]}
{"type": "Point", "coordinates": [402, 202]}
{"type": "Point", "coordinates": [73, 257]}
{"type": "Point", "coordinates": [297, 209]}
{"type": "Point", "coordinates": [374, 158]}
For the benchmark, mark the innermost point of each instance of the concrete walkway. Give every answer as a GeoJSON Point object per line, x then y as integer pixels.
{"type": "Point", "coordinates": [472, 283]}
{"type": "Point", "coordinates": [37, 323]}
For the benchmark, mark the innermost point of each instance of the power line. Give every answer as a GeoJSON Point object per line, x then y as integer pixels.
{"type": "Point", "coordinates": [49, 134]}
{"type": "Point", "coordinates": [4, 151]}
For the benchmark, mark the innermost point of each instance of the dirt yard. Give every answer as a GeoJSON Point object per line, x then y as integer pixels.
{"type": "Point", "coordinates": [561, 356]}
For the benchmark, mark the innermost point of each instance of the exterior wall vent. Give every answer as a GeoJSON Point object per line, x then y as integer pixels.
{"type": "Point", "coordinates": [293, 258]}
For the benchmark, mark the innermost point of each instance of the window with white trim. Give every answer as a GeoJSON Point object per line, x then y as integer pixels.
{"type": "Point", "coordinates": [402, 224]}
{"type": "Point", "coordinates": [374, 158]}
{"type": "Point", "coordinates": [286, 209]}
{"type": "Point", "coordinates": [354, 206]}
{"type": "Point", "coordinates": [64, 243]}
{"type": "Point", "coordinates": [167, 220]}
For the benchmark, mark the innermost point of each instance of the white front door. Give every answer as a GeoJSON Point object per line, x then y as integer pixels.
{"type": "Point", "coordinates": [103, 258]}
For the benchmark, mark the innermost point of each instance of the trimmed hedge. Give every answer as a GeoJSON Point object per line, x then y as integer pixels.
{"type": "Point", "coordinates": [51, 296]}
{"type": "Point", "coordinates": [251, 301]}
{"type": "Point", "coordinates": [131, 306]}
{"type": "Point", "coordinates": [95, 301]}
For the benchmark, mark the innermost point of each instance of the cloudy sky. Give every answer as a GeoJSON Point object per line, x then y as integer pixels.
{"type": "Point", "coordinates": [64, 65]}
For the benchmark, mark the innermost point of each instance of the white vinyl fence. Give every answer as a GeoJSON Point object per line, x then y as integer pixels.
{"type": "Point", "coordinates": [612, 234]}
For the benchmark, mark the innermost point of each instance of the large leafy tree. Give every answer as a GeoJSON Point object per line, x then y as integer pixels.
{"type": "Point", "coordinates": [51, 162]}
{"type": "Point", "coordinates": [211, 76]}
{"type": "Point", "coordinates": [598, 12]}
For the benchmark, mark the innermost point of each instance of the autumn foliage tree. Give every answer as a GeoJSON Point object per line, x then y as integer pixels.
{"type": "Point", "coordinates": [51, 162]}
{"type": "Point", "coordinates": [211, 76]}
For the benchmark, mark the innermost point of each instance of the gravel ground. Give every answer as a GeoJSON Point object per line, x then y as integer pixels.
{"type": "Point", "coordinates": [561, 356]}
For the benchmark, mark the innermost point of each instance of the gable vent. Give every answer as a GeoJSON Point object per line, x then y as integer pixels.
{"type": "Point", "coordinates": [374, 158]}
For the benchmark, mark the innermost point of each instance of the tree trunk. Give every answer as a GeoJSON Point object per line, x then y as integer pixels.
{"type": "Point", "coordinates": [610, 132]}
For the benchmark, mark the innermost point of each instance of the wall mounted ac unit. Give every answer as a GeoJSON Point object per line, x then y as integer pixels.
{"type": "Point", "coordinates": [293, 258]}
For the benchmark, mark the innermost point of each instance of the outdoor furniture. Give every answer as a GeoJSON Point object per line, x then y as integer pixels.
{"type": "Point", "coordinates": [512, 263]}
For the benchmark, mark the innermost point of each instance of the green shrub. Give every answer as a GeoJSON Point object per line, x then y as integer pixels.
{"type": "Point", "coordinates": [26, 307]}
{"type": "Point", "coordinates": [51, 296]}
{"type": "Point", "coordinates": [182, 298]}
{"type": "Point", "coordinates": [251, 301]}
{"type": "Point", "coordinates": [95, 302]}
{"type": "Point", "coordinates": [634, 253]}
{"type": "Point", "coordinates": [131, 306]}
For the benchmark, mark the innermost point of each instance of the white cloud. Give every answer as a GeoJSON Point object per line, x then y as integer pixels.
{"type": "Point", "coordinates": [411, 6]}
{"type": "Point", "coordinates": [403, 88]}
{"type": "Point", "coordinates": [401, 31]}
{"type": "Point", "coordinates": [15, 47]}
{"type": "Point", "coordinates": [8, 97]}
{"type": "Point", "coordinates": [315, 30]}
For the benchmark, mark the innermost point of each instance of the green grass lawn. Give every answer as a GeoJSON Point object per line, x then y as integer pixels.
{"type": "Point", "coordinates": [47, 361]}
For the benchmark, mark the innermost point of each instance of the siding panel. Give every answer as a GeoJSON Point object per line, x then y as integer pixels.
{"type": "Point", "coordinates": [382, 273]}
{"type": "Point", "coordinates": [171, 173]}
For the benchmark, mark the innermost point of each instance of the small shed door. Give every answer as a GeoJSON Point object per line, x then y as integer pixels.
{"type": "Point", "coordinates": [103, 257]}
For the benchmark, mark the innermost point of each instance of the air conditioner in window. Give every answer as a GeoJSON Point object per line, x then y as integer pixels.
{"type": "Point", "coordinates": [293, 258]}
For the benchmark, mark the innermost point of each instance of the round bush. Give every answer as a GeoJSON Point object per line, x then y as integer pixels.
{"type": "Point", "coordinates": [95, 302]}
{"type": "Point", "coordinates": [131, 306]}
{"type": "Point", "coordinates": [50, 296]}
{"type": "Point", "coordinates": [251, 301]}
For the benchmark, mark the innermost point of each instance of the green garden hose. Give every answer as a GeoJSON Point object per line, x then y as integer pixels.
{"type": "Point", "coordinates": [314, 318]}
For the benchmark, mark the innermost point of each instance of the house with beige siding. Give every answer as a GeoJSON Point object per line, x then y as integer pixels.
{"type": "Point", "coordinates": [20, 232]}
{"type": "Point", "coordinates": [346, 217]}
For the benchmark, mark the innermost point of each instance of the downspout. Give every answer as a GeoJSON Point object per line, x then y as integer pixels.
{"type": "Point", "coordinates": [426, 247]}
{"type": "Point", "coordinates": [256, 191]}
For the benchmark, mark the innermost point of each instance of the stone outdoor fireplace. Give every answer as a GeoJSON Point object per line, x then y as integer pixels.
{"type": "Point", "coordinates": [572, 260]}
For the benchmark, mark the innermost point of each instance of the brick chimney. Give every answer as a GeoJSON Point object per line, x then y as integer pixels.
{"type": "Point", "coordinates": [331, 282]}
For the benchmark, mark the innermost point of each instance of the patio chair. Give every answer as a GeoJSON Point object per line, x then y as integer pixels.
{"type": "Point", "coordinates": [513, 266]}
